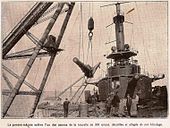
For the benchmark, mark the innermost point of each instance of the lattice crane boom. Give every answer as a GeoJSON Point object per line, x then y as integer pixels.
{"type": "Point", "coordinates": [24, 25]}
{"type": "Point", "coordinates": [21, 29]}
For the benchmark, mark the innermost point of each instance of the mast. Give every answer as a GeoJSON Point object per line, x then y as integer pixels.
{"type": "Point", "coordinates": [118, 20]}
{"type": "Point", "coordinates": [121, 70]}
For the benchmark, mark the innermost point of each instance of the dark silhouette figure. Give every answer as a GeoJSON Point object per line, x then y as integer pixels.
{"type": "Point", "coordinates": [115, 103]}
{"type": "Point", "coordinates": [129, 104]}
{"type": "Point", "coordinates": [65, 106]}
{"type": "Point", "coordinates": [108, 106]}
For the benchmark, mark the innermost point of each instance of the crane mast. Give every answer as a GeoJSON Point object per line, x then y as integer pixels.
{"type": "Point", "coordinates": [24, 25]}
{"type": "Point", "coordinates": [47, 42]}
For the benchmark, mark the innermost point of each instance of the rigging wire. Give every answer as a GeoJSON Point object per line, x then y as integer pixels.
{"type": "Point", "coordinates": [81, 32]}
{"type": "Point", "coordinates": [132, 36]}
{"type": "Point", "coordinates": [90, 34]}
{"type": "Point", "coordinates": [132, 32]}
{"type": "Point", "coordinates": [147, 53]}
{"type": "Point", "coordinates": [91, 52]}
{"type": "Point", "coordinates": [81, 92]}
{"type": "Point", "coordinates": [71, 30]}
{"type": "Point", "coordinates": [143, 42]}
{"type": "Point", "coordinates": [88, 52]}
{"type": "Point", "coordinates": [154, 67]}
{"type": "Point", "coordinates": [142, 37]}
{"type": "Point", "coordinates": [89, 49]}
{"type": "Point", "coordinates": [155, 64]}
{"type": "Point", "coordinates": [108, 32]}
{"type": "Point", "coordinates": [90, 9]}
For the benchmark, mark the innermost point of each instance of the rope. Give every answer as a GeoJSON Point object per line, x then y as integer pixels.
{"type": "Point", "coordinates": [81, 12]}
{"type": "Point", "coordinates": [90, 49]}
{"type": "Point", "coordinates": [146, 53]}
{"type": "Point", "coordinates": [81, 34]}
{"type": "Point", "coordinates": [88, 52]}
{"type": "Point", "coordinates": [70, 86]}
{"type": "Point", "coordinates": [91, 53]}
{"type": "Point", "coordinates": [150, 56]}
{"type": "Point", "coordinates": [155, 65]}
{"type": "Point", "coordinates": [79, 37]}
{"type": "Point", "coordinates": [91, 9]}
{"type": "Point", "coordinates": [76, 92]}
{"type": "Point", "coordinates": [22, 52]}
{"type": "Point", "coordinates": [132, 35]}
{"type": "Point", "coordinates": [81, 93]}
{"type": "Point", "coordinates": [32, 37]}
{"type": "Point", "coordinates": [71, 30]}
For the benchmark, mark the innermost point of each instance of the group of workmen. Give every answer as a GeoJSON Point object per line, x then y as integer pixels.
{"type": "Point", "coordinates": [113, 101]}
{"type": "Point", "coordinates": [112, 105]}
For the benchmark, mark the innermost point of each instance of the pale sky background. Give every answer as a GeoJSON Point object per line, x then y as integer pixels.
{"type": "Point", "coordinates": [147, 34]}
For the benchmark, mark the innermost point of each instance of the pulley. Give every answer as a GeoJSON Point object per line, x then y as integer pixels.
{"type": "Point", "coordinates": [90, 27]}
{"type": "Point", "coordinates": [91, 24]}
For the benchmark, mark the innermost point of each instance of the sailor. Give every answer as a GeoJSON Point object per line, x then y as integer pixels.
{"type": "Point", "coordinates": [137, 100]}
{"type": "Point", "coordinates": [129, 104]}
{"type": "Point", "coordinates": [115, 103]}
{"type": "Point", "coordinates": [94, 103]}
{"type": "Point", "coordinates": [134, 106]}
{"type": "Point", "coordinates": [108, 105]}
{"type": "Point", "coordinates": [65, 106]}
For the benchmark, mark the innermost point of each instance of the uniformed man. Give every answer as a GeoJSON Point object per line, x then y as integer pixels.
{"type": "Point", "coordinates": [108, 105]}
{"type": "Point", "coordinates": [66, 106]}
{"type": "Point", "coordinates": [115, 103]}
{"type": "Point", "coordinates": [129, 104]}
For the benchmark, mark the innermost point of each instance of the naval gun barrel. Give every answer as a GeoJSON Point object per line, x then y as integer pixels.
{"type": "Point", "coordinates": [158, 77]}
{"type": "Point", "coordinates": [87, 69]}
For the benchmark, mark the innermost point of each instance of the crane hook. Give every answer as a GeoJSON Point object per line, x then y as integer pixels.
{"type": "Point", "coordinates": [90, 35]}
{"type": "Point", "coordinates": [90, 27]}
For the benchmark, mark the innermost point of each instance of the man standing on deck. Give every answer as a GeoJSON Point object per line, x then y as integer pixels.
{"type": "Point", "coordinates": [129, 104]}
{"type": "Point", "coordinates": [108, 105]}
{"type": "Point", "coordinates": [115, 103]}
{"type": "Point", "coordinates": [65, 106]}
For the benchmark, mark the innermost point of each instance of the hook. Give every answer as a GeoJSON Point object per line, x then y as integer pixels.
{"type": "Point", "coordinates": [90, 35]}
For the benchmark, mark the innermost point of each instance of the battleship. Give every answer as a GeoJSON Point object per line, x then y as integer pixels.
{"type": "Point", "coordinates": [123, 75]}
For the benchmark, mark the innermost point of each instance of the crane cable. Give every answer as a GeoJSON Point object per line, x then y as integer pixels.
{"type": "Point", "coordinates": [90, 35]}
{"type": "Point", "coordinates": [81, 34]}
{"type": "Point", "coordinates": [145, 48]}
{"type": "Point", "coordinates": [90, 49]}
{"type": "Point", "coordinates": [81, 93]}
